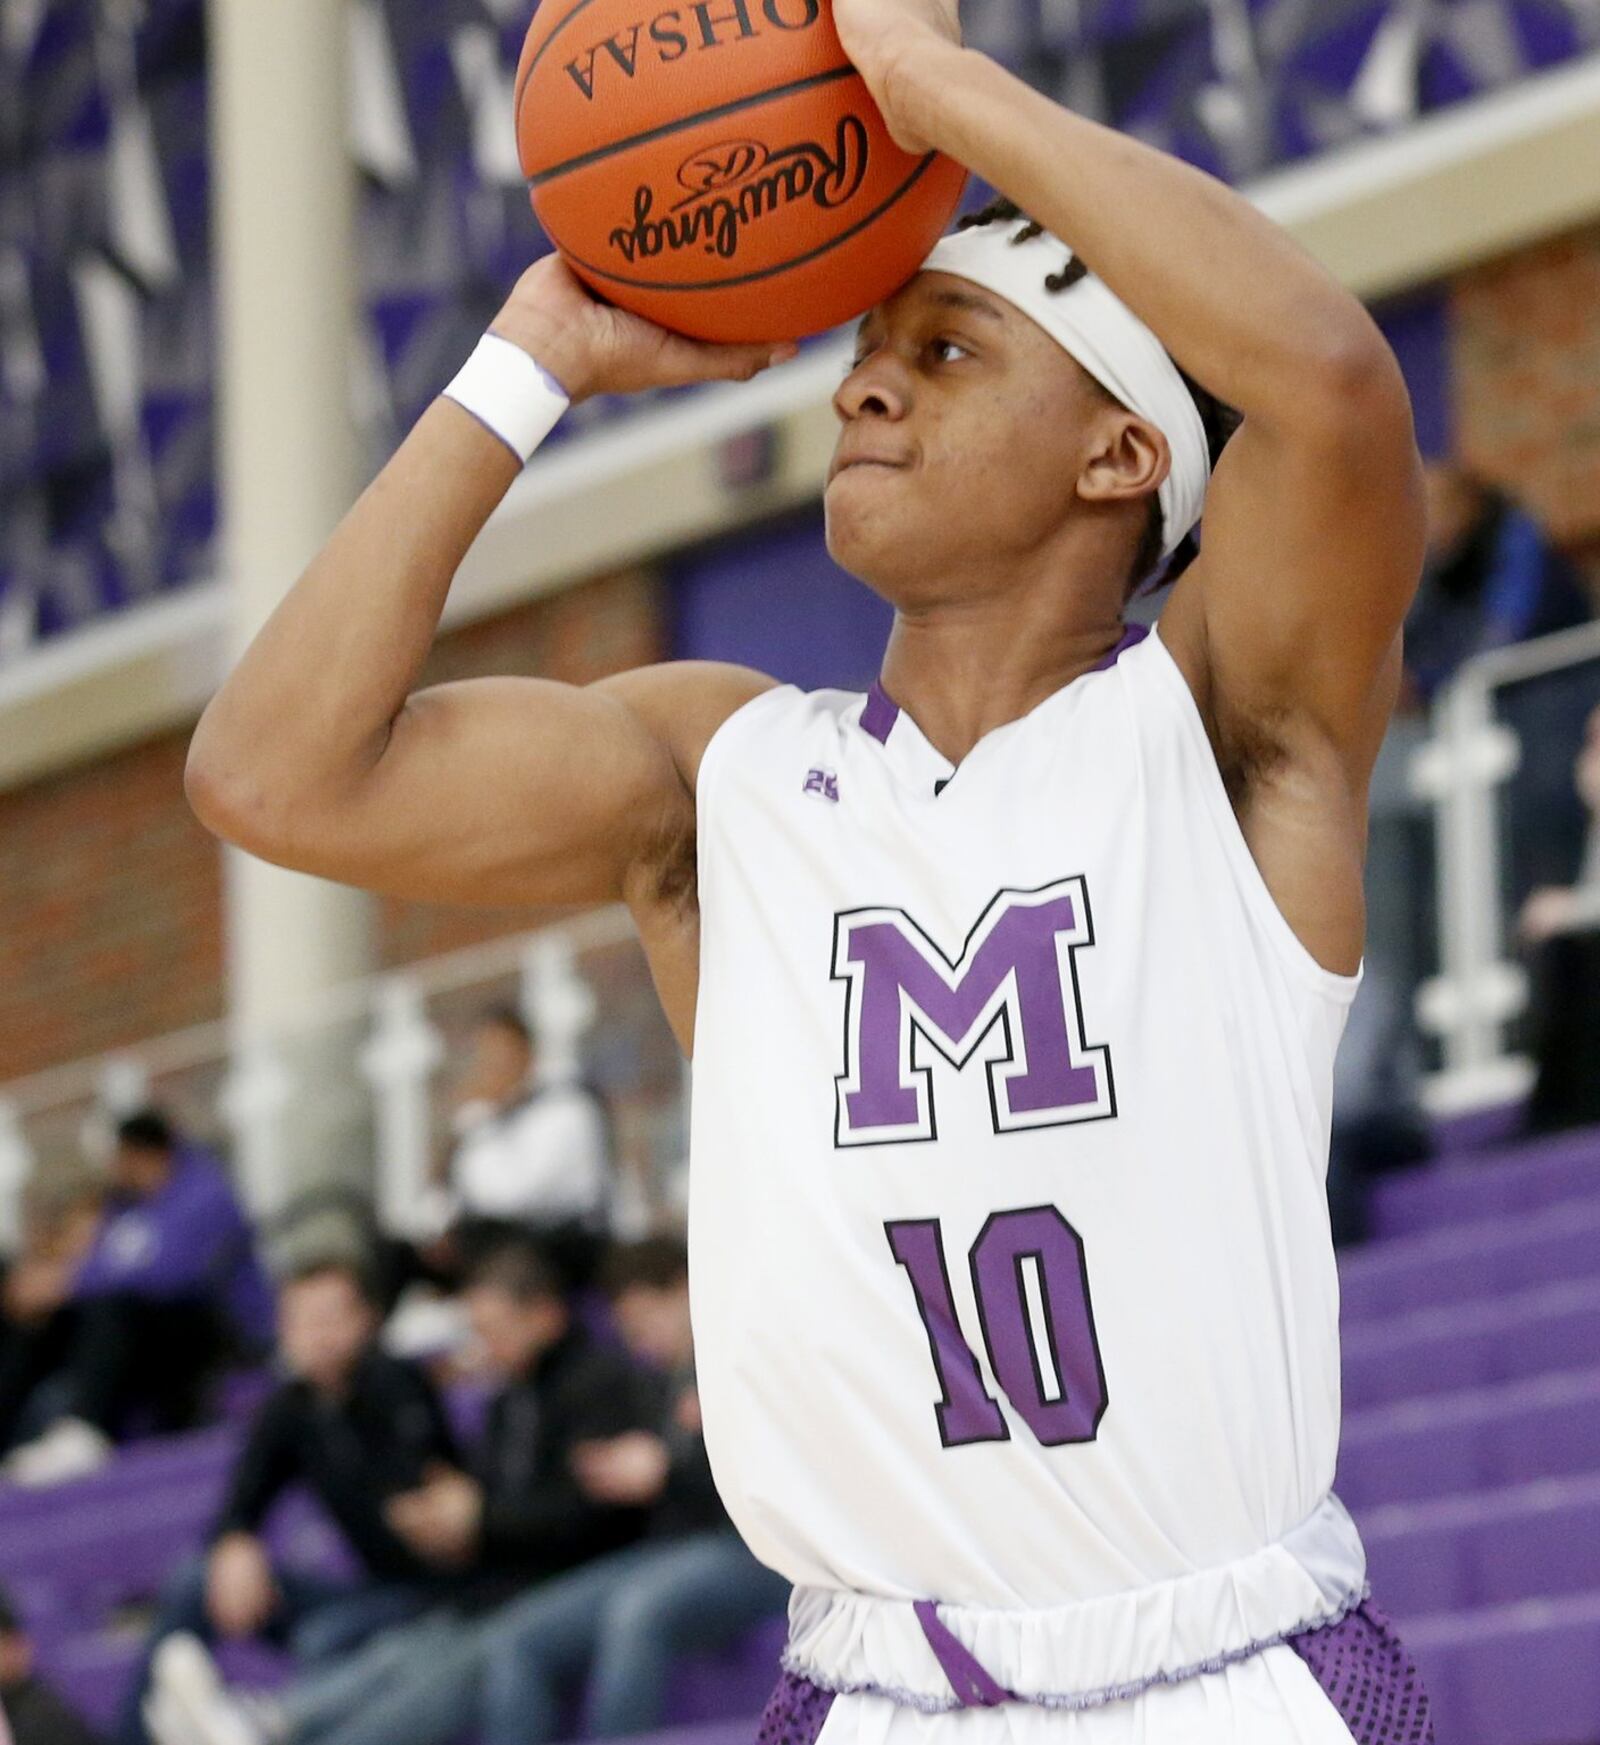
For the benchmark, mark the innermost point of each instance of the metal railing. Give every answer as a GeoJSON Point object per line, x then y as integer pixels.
{"type": "Point", "coordinates": [1463, 771]}
{"type": "Point", "coordinates": [583, 986]}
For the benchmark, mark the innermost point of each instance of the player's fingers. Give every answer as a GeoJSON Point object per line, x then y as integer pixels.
{"type": "Point", "coordinates": [695, 361]}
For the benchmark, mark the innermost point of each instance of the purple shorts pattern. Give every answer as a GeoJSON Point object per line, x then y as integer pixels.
{"type": "Point", "coordinates": [794, 1713]}
{"type": "Point", "coordinates": [1368, 1676]}
{"type": "Point", "coordinates": [1360, 1664]}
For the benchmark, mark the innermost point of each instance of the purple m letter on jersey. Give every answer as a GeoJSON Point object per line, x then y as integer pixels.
{"type": "Point", "coordinates": [1016, 971]}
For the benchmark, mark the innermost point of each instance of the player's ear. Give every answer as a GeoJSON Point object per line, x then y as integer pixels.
{"type": "Point", "coordinates": [1128, 458]}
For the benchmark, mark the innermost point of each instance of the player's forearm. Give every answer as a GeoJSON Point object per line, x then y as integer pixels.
{"type": "Point", "coordinates": [1236, 301]}
{"type": "Point", "coordinates": [308, 709]}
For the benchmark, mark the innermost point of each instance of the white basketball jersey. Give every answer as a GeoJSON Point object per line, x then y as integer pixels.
{"type": "Point", "coordinates": [1012, 1278]}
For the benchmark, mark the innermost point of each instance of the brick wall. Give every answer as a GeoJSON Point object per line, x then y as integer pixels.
{"type": "Point", "coordinates": [109, 901]}
{"type": "Point", "coordinates": [110, 892]}
{"type": "Point", "coordinates": [1526, 357]}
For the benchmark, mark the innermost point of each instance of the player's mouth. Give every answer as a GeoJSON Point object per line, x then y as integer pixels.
{"type": "Point", "coordinates": [845, 463]}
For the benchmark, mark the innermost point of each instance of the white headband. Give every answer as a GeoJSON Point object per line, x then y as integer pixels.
{"type": "Point", "coordinates": [1092, 324]}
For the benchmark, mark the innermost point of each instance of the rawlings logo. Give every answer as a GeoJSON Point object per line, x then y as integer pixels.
{"type": "Point", "coordinates": [734, 184]}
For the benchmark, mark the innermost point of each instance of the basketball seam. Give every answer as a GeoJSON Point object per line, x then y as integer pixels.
{"type": "Point", "coordinates": [539, 53]}
{"type": "Point", "coordinates": [667, 128]}
{"type": "Point", "coordinates": [765, 272]}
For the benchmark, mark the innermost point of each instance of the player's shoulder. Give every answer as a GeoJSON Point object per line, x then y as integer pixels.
{"type": "Point", "coordinates": [683, 703]}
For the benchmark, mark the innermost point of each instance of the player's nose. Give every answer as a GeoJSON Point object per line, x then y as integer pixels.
{"type": "Point", "coordinates": [878, 386]}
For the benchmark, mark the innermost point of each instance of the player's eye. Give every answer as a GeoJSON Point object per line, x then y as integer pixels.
{"type": "Point", "coordinates": [948, 351]}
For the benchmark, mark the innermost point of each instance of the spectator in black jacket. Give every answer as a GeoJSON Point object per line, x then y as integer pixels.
{"type": "Point", "coordinates": [37, 1715]}
{"type": "Point", "coordinates": [357, 1429]}
{"type": "Point", "coordinates": [691, 1587]}
{"type": "Point", "coordinates": [525, 1514]}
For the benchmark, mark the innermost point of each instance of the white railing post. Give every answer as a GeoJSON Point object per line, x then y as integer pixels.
{"type": "Point", "coordinates": [252, 1104]}
{"type": "Point", "coordinates": [16, 1165]}
{"type": "Point", "coordinates": [1476, 991]}
{"type": "Point", "coordinates": [557, 1003]}
{"type": "Point", "coordinates": [399, 1061]}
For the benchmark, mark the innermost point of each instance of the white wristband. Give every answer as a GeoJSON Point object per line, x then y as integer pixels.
{"type": "Point", "coordinates": [510, 394]}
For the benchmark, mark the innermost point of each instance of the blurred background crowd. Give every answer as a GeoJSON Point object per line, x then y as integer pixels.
{"type": "Point", "coordinates": [346, 1375]}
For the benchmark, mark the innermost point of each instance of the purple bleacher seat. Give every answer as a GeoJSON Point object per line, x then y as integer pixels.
{"type": "Point", "coordinates": [1465, 1262]}
{"type": "Point", "coordinates": [1537, 1332]}
{"type": "Point", "coordinates": [1524, 1674]}
{"type": "Point", "coordinates": [1485, 1439]}
{"type": "Point", "coordinates": [739, 1732]}
{"type": "Point", "coordinates": [739, 1682]}
{"type": "Point", "coordinates": [1490, 1184]}
{"type": "Point", "coordinates": [1488, 1549]}
{"type": "Point", "coordinates": [92, 1669]}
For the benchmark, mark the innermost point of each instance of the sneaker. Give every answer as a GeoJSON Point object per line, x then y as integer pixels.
{"type": "Point", "coordinates": [183, 1674]}
{"type": "Point", "coordinates": [69, 1449]}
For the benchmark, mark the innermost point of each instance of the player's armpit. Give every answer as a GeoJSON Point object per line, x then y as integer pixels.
{"type": "Point", "coordinates": [507, 791]}
{"type": "Point", "coordinates": [1313, 543]}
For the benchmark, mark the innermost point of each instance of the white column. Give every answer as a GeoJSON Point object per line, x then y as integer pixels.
{"type": "Point", "coordinates": [289, 467]}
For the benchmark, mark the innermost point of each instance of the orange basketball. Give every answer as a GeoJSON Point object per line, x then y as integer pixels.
{"type": "Point", "coordinates": [718, 166]}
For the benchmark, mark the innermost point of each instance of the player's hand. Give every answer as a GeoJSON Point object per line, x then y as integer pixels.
{"type": "Point", "coordinates": [241, 1594]}
{"type": "Point", "coordinates": [591, 348]}
{"type": "Point", "coordinates": [629, 1470]}
{"type": "Point", "coordinates": [884, 38]}
{"type": "Point", "coordinates": [440, 1520]}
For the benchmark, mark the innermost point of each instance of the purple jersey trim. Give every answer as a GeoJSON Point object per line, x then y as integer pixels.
{"type": "Point", "coordinates": [794, 1713]}
{"type": "Point", "coordinates": [1131, 638]}
{"type": "Point", "coordinates": [882, 711]}
{"type": "Point", "coordinates": [1366, 1673]}
{"type": "Point", "coordinates": [880, 714]}
{"type": "Point", "coordinates": [974, 1688]}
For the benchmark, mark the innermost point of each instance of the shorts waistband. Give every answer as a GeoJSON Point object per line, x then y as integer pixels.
{"type": "Point", "coordinates": [1091, 1652]}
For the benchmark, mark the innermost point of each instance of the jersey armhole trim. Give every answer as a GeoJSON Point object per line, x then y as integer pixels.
{"type": "Point", "coordinates": [707, 779]}
{"type": "Point", "coordinates": [1329, 984]}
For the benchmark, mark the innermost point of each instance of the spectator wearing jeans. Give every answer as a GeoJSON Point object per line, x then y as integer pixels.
{"type": "Point", "coordinates": [356, 1428]}
{"type": "Point", "coordinates": [524, 1517]}
{"type": "Point", "coordinates": [169, 1286]}
{"type": "Point", "coordinates": [691, 1586]}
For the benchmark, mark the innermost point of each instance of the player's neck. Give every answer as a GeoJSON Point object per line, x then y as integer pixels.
{"type": "Point", "coordinates": [962, 670]}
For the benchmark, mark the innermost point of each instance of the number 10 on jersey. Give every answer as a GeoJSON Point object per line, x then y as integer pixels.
{"type": "Point", "coordinates": [1032, 1293]}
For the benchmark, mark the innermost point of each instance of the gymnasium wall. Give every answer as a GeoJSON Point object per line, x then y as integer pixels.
{"type": "Point", "coordinates": [110, 925]}
{"type": "Point", "coordinates": [110, 892]}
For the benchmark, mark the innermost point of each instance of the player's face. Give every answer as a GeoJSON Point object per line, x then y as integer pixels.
{"type": "Point", "coordinates": [965, 429]}
{"type": "Point", "coordinates": [324, 1325]}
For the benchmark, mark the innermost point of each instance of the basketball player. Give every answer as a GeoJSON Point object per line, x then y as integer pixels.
{"type": "Point", "coordinates": [1013, 987]}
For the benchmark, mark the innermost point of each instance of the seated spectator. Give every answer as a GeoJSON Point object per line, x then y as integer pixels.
{"type": "Point", "coordinates": [37, 1715]}
{"type": "Point", "coordinates": [524, 1517]}
{"type": "Point", "coordinates": [60, 1210]}
{"type": "Point", "coordinates": [1561, 928]}
{"type": "Point", "coordinates": [692, 1586]}
{"type": "Point", "coordinates": [526, 1155]}
{"type": "Point", "coordinates": [169, 1287]}
{"type": "Point", "coordinates": [355, 1427]}
{"type": "Point", "coordinates": [1492, 578]}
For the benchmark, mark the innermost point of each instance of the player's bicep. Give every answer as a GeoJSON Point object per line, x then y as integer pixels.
{"type": "Point", "coordinates": [1314, 539]}
{"type": "Point", "coordinates": [506, 791]}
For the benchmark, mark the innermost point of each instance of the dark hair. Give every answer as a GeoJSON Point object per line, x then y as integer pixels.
{"type": "Point", "coordinates": [360, 1273]}
{"type": "Point", "coordinates": [505, 1017]}
{"type": "Point", "coordinates": [658, 1263]}
{"type": "Point", "coordinates": [518, 1266]}
{"type": "Point", "coordinates": [1220, 420]}
{"type": "Point", "coordinates": [10, 1621]}
{"type": "Point", "coordinates": [148, 1130]}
